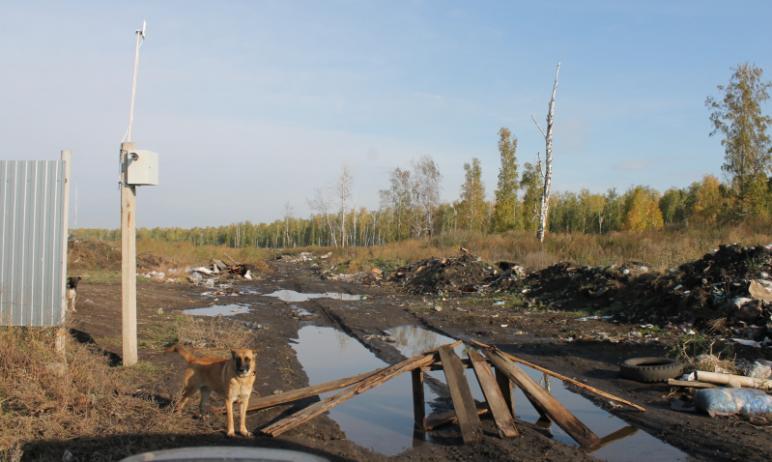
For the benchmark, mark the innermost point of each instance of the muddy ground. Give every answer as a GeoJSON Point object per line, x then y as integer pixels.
{"type": "Point", "coordinates": [589, 350]}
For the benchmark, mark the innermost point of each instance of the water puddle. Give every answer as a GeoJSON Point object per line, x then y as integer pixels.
{"type": "Point", "coordinates": [291, 296]}
{"type": "Point", "coordinates": [301, 312]}
{"type": "Point", "coordinates": [412, 340]}
{"type": "Point", "coordinates": [382, 418]}
{"type": "Point", "coordinates": [218, 310]}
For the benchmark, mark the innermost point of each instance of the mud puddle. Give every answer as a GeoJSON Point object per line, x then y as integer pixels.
{"type": "Point", "coordinates": [291, 296]}
{"type": "Point", "coordinates": [382, 418]}
{"type": "Point", "coordinates": [218, 310]}
{"type": "Point", "coordinates": [631, 444]}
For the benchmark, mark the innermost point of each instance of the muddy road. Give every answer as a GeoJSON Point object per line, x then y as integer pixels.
{"type": "Point", "coordinates": [308, 330]}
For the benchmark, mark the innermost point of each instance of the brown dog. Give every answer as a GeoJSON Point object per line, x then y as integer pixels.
{"type": "Point", "coordinates": [231, 378]}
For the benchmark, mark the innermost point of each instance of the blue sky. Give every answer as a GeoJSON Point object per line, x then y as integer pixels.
{"type": "Point", "coordinates": [253, 105]}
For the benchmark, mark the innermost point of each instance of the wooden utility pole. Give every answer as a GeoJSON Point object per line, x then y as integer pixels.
{"type": "Point", "coordinates": [128, 227]}
{"type": "Point", "coordinates": [545, 197]}
{"type": "Point", "coordinates": [128, 261]}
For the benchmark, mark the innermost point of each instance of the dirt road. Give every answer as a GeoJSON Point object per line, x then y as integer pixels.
{"type": "Point", "coordinates": [304, 339]}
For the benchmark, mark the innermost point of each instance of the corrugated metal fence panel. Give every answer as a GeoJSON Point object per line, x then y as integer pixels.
{"type": "Point", "coordinates": [32, 237]}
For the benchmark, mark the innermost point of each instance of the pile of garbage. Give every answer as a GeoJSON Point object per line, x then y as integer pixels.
{"type": "Point", "coordinates": [462, 274]}
{"type": "Point", "coordinates": [730, 289]}
{"type": "Point", "coordinates": [218, 272]}
{"type": "Point", "coordinates": [567, 286]}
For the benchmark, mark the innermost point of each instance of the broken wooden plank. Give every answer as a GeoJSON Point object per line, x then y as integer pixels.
{"type": "Point", "coordinates": [437, 366]}
{"type": "Point", "coordinates": [505, 385]}
{"type": "Point", "coordinates": [265, 402]}
{"type": "Point", "coordinates": [316, 409]}
{"type": "Point", "coordinates": [574, 382]}
{"type": "Point", "coordinates": [502, 413]}
{"type": "Point", "coordinates": [461, 396]}
{"type": "Point", "coordinates": [438, 419]}
{"type": "Point", "coordinates": [552, 407]}
{"type": "Point", "coordinates": [690, 384]}
{"type": "Point", "coordinates": [417, 376]}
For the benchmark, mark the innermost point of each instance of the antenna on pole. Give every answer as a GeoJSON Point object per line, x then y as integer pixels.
{"type": "Point", "coordinates": [140, 33]}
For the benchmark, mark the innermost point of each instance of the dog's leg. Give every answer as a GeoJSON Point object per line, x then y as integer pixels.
{"type": "Point", "coordinates": [187, 391]}
{"type": "Point", "coordinates": [203, 404]}
{"type": "Point", "coordinates": [74, 298]}
{"type": "Point", "coordinates": [229, 409]}
{"type": "Point", "coordinates": [243, 405]}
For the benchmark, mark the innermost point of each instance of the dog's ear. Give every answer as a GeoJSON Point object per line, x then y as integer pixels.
{"type": "Point", "coordinates": [234, 354]}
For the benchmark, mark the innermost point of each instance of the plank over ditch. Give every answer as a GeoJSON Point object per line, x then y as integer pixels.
{"type": "Point", "coordinates": [316, 409]}
{"type": "Point", "coordinates": [502, 414]}
{"type": "Point", "coordinates": [552, 407]}
{"type": "Point", "coordinates": [461, 395]}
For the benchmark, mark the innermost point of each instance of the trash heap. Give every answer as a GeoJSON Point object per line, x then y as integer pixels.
{"type": "Point", "coordinates": [730, 288]}
{"type": "Point", "coordinates": [465, 273]}
{"type": "Point", "coordinates": [218, 273]}
{"type": "Point", "coordinates": [568, 286]}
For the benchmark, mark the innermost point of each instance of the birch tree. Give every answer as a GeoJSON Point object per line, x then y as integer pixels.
{"type": "Point", "coordinates": [344, 195]}
{"type": "Point", "coordinates": [426, 191]}
{"type": "Point", "coordinates": [545, 197]}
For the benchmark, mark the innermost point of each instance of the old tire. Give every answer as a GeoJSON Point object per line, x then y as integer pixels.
{"type": "Point", "coordinates": [651, 369]}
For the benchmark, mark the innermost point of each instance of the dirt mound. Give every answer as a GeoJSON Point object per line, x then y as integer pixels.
{"type": "Point", "coordinates": [462, 274]}
{"type": "Point", "coordinates": [93, 254]}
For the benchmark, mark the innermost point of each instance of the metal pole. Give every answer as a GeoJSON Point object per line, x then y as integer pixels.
{"type": "Point", "coordinates": [140, 36]}
{"type": "Point", "coordinates": [128, 262]}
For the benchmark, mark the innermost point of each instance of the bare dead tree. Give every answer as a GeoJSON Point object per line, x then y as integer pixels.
{"type": "Point", "coordinates": [344, 195]}
{"type": "Point", "coordinates": [545, 197]}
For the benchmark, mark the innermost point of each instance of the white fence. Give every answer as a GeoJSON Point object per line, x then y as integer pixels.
{"type": "Point", "coordinates": [34, 196]}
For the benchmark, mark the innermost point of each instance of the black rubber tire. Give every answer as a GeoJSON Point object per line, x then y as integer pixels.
{"type": "Point", "coordinates": [651, 369]}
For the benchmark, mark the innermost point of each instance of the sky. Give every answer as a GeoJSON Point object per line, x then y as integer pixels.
{"type": "Point", "coordinates": [254, 105]}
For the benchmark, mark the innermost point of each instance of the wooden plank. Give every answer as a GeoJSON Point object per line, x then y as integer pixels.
{"type": "Point", "coordinates": [438, 419]}
{"type": "Point", "coordinates": [418, 398]}
{"type": "Point", "coordinates": [502, 413]}
{"type": "Point", "coordinates": [316, 409]}
{"type": "Point", "coordinates": [505, 385]}
{"type": "Point", "coordinates": [689, 384]}
{"type": "Point", "coordinates": [461, 395]}
{"type": "Point", "coordinates": [265, 402]}
{"type": "Point", "coordinates": [574, 382]}
{"type": "Point", "coordinates": [437, 366]}
{"type": "Point", "coordinates": [552, 407]}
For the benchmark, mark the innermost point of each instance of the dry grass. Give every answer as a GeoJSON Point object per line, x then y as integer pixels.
{"type": "Point", "coordinates": [661, 249]}
{"type": "Point", "coordinates": [41, 397]}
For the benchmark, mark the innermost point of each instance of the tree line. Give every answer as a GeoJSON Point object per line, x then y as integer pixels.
{"type": "Point", "coordinates": [410, 206]}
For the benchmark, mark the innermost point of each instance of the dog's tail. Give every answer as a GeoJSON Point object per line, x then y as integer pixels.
{"type": "Point", "coordinates": [186, 355]}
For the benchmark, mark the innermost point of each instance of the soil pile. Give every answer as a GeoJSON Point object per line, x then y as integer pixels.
{"type": "Point", "coordinates": [462, 274]}
{"type": "Point", "coordinates": [93, 254]}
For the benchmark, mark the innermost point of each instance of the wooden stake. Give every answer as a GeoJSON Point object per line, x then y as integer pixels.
{"type": "Point", "coordinates": [502, 413]}
{"type": "Point", "coordinates": [574, 382]}
{"type": "Point", "coordinates": [417, 376]}
{"type": "Point", "coordinates": [461, 395]}
{"type": "Point", "coordinates": [552, 407]}
{"type": "Point", "coordinates": [128, 262]}
{"type": "Point", "coordinates": [733, 380]}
